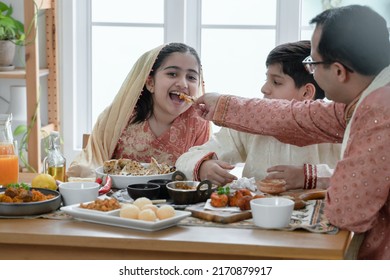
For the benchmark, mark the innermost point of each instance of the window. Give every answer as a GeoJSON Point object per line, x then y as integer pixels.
{"type": "Point", "coordinates": [102, 39]}
{"type": "Point", "coordinates": [234, 44]}
{"type": "Point", "coordinates": [118, 38]}
{"type": "Point", "coordinates": [311, 8]}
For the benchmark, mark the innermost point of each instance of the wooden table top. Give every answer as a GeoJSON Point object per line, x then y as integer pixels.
{"type": "Point", "coordinates": [72, 239]}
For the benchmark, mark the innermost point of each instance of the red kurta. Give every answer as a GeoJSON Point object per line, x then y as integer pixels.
{"type": "Point", "coordinates": [139, 143]}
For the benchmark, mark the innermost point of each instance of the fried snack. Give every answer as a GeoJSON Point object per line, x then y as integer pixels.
{"type": "Point", "coordinates": [219, 200]}
{"type": "Point", "coordinates": [244, 202]}
{"type": "Point", "coordinates": [272, 186]}
{"type": "Point", "coordinates": [233, 199]}
{"type": "Point", "coordinates": [107, 204]}
{"type": "Point", "coordinates": [244, 192]}
{"type": "Point", "coordinates": [186, 98]}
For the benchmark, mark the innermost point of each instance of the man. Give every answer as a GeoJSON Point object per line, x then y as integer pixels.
{"type": "Point", "coordinates": [286, 79]}
{"type": "Point", "coordinates": [350, 60]}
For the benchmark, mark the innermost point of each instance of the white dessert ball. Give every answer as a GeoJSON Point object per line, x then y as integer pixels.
{"type": "Point", "coordinates": [129, 212]}
{"type": "Point", "coordinates": [165, 212]}
{"type": "Point", "coordinates": [150, 206]}
{"type": "Point", "coordinates": [147, 215]}
{"type": "Point", "coordinates": [140, 202]}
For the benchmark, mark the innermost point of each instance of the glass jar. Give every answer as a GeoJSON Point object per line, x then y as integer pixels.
{"type": "Point", "coordinates": [9, 162]}
{"type": "Point", "coordinates": [55, 163]}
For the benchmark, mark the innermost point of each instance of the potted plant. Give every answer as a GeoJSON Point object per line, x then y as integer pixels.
{"type": "Point", "coordinates": [11, 34]}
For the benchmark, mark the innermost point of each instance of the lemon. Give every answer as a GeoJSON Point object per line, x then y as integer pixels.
{"type": "Point", "coordinates": [44, 181]}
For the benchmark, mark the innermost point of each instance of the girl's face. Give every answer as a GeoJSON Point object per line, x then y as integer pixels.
{"type": "Point", "coordinates": [179, 73]}
{"type": "Point", "coordinates": [279, 85]}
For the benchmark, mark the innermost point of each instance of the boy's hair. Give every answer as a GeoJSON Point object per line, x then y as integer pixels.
{"type": "Point", "coordinates": [355, 36]}
{"type": "Point", "coordinates": [290, 57]}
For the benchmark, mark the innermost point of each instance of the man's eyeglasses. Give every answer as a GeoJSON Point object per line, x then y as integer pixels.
{"type": "Point", "coordinates": [310, 64]}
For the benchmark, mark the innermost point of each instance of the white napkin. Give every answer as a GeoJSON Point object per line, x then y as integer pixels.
{"type": "Point", "coordinates": [244, 183]}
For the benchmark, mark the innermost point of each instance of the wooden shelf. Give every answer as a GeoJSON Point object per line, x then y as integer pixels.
{"type": "Point", "coordinates": [32, 75]}
{"type": "Point", "coordinates": [20, 73]}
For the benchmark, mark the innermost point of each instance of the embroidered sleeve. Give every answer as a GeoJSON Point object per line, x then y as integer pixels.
{"type": "Point", "coordinates": [293, 122]}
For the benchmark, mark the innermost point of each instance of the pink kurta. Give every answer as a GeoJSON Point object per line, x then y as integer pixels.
{"type": "Point", "coordinates": [139, 143]}
{"type": "Point", "coordinates": [358, 196]}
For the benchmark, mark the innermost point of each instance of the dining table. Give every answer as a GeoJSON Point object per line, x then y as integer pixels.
{"type": "Point", "coordinates": [66, 239]}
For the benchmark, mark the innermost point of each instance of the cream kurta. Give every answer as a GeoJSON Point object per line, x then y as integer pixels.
{"type": "Point", "coordinates": [258, 152]}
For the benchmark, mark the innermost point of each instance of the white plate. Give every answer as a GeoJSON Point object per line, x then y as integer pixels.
{"type": "Point", "coordinates": [113, 219]}
{"type": "Point", "coordinates": [208, 206]}
{"type": "Point", "coordinates": [122, 181]}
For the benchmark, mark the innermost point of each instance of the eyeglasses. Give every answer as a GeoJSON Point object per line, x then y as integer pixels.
{"type": "Point", "coordinates": [310, 64]}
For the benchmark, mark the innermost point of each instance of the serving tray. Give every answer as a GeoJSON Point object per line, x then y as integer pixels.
{"type": "Point", "coordinates": [224, 216]}
{"type": "Point", "coordinates": [112, 219]}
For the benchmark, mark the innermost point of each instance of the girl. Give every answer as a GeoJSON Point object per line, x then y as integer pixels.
{"type": "Point", "coordinates": [148, 117]}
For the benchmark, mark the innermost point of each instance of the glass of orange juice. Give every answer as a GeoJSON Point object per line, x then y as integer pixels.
{"type": "Point", "coordinates": [9, 163]}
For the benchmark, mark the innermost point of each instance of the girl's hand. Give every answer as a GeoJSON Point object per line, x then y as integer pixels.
{"type": "Point", "coordinates": [216, 171]}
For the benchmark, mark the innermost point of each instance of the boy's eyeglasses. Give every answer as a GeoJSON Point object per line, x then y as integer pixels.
{"type": "Point", "coordinates": [310, 64]}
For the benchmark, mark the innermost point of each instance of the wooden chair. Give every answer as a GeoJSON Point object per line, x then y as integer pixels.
{"type": "Point", "coordinates": [85, 140]}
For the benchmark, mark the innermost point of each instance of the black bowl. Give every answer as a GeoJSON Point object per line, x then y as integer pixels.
{"type": "Point", "coordinates": [193, 191]}
{"type": "Point", "coordinates": [150, 191]}
{"type": "Point", "coordinates": [163, 187]}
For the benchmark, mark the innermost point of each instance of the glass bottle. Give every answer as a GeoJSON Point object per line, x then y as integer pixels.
{"type": "Point", "coordinates": [9, 162]}
{"type": "Point", "coordinates": [55, 163]}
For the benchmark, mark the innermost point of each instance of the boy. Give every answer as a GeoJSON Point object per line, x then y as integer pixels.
{"type": "Point", "coordinates": [286, 79]}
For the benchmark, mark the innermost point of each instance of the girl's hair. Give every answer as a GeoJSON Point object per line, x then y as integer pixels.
{"type": "Point", "coordinates": [144, 106]}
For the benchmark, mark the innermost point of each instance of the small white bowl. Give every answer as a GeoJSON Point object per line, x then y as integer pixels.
{"type": "Point", "coordinates": [272, 212]}
{"type": "Point", "coordinates": [78, 192]}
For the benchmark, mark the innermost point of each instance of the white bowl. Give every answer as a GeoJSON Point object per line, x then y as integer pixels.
{"type": "Point", "coordinates": [272, 212]}
{"type": "Point", "coordinates": [78, 192]}
{"type": "Point", "coordinates": [122, 181]}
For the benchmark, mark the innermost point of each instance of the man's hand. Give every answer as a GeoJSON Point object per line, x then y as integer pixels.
{"type": "Point", "coordinates": [205, 105]}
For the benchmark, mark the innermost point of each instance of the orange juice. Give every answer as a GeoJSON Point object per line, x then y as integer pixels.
{"type": "Point", "coordinates": [7, 149]}
{"type": "Point", "coordinates": [9, 169]}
